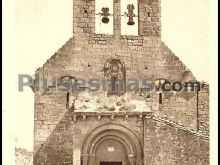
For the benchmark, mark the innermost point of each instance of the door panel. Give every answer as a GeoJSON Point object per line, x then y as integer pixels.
{"type": "Point", "coordinates": [111, 152]}
{"type": "Point", "coordinates": [110, 163]}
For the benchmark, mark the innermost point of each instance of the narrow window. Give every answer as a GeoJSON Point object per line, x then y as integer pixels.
{"type": "Point", "coordinates": [67, 99]}
{"type": "Point", "coordinates": [104, 17]}
{"type": "Point", "coordinates": [160, 98]}
{"type": "Point", "coordinates": [129, 17]}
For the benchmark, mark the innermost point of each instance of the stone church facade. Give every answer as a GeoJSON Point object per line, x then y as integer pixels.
{"type": "Point", "coordinates": [115, 127]}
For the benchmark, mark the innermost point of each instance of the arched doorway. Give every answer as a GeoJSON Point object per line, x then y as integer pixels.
{"type": "Point", "coordinates": [115, 73]}
{"type": "Point", "coordinates": [111, 152]}
{"type": "Point", "coordinates": [112, 144]}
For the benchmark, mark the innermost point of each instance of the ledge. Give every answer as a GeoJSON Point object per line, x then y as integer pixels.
{"type": "Point", "coordinates": [109, 113]}
{"type": "Point", "coordinates": [179, 126]}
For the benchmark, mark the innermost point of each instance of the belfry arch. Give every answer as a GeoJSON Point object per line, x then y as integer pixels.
{"type": "Point", "coordinates": [113, 133]}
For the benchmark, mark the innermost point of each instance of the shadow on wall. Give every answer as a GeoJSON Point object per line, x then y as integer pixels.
{"type": "Point", "coordinates": [57, 147]}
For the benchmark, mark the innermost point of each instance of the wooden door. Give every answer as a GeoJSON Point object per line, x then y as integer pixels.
{"type": "Point", "coordinates": [110, 163]}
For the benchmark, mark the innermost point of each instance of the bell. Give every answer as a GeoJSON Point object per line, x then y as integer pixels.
{"type": "Point", "coordinates": [131, 21]}
{"type": "Point", "coordinates": [105, 14]}
{"type": "Point", "coordinates": [105, 20]}
{"type": "Point", "coordinates": [130, 14]}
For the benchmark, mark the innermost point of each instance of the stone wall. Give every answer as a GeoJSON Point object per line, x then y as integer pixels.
{"type": "Point", "coordinates": [180, 107]}
{"type": "Point", "coordinates": [149, 17]}
{"type": "Point", "coordinates": [169, 143]}
{"type": "Point", "coordinates": [144, 57]}
{"type": "Point", "coordinates": [162, 141]}
{"type": "Point", "coordinates": [84, 60]}
{"type": "Point", "coordinates": [49, 111]}
{"type": "Point", "coordinates": [203, 109]}
{"type": "Point", "coordinates": [73, 129]}
{"type": "Point", "coordinates": [54, 142]}
{"type": "Point", "coordinates": [188, 108]}
{"type": "Point", "coordinates": [85, 57]}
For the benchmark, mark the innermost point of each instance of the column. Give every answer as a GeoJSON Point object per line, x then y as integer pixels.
{"type": "Point", "coordinates": [117, 17]}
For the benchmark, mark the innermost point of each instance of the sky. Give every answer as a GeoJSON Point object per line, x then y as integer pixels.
{"type": "Point", "coordinates": [41, 27]}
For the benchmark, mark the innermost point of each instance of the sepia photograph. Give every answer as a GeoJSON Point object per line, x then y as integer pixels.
{"type": "Point", "coordinates": [110, 82]}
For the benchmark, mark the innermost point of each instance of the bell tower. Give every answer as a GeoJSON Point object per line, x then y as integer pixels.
{"type": "Point", "coordinates": [122, 17]}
